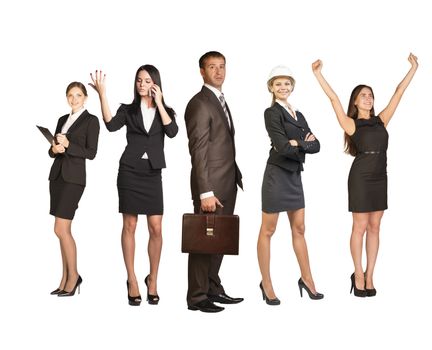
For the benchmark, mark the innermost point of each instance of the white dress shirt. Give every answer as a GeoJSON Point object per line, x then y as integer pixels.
{"type": "Point", "coordinates": [218, 94]}
{"type": "Point", "coordinates": [148, 114]}
{"type": "Point", "coordinates": [284, 105]}
{"type": "Point", "coordinates": [70, 120]}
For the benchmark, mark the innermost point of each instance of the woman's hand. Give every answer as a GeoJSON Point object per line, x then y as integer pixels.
{"type": "Point", "coordinates": [62, 140]}
{"type": "Point", "coordinates": [413, 60]}
{"type": "Point", "coordinates": [157, 94]}
{"type": "Point", "coordinates": [293, 143]}
{"type": "Point", "coordinates": [317, 66]}
{"type": "Point", "coordinates": [98, 82]}
{"type": "Point", "coordinates": [57, 149]}
{"type": "Point", "coordinates": [310, 137]}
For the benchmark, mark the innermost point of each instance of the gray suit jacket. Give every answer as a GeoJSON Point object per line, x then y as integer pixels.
{"type": "Point", "coordinates": [211, 146]}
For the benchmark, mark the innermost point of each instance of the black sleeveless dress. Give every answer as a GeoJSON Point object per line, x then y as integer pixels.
{"type": "Point", "coordinates": [367, 181]}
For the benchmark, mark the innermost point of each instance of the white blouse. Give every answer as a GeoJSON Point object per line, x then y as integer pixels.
{"type": "Point", "coordinates": [290, 112]}
{"type": "Point", "coordinates": [148, 114]}
{"type": "Point", "coordinates": [70, 120]}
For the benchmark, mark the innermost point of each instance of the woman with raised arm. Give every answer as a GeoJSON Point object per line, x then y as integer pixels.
{"type": "Point", "coordinates": [148, 119]}
{"type": "Point", "coordinates": [366, 139]}
{"type": "Point", "coordinates": [282, 189]}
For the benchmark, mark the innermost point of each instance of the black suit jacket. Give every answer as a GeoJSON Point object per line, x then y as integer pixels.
{"type": "Point", "coordinates": [211, 146]}
{"type": "Point", "coordinates": [83, 137]}
{"type": "Point", "coordinates": [281, 128]}
{"type": "Point", "coordinates": [139, 140]}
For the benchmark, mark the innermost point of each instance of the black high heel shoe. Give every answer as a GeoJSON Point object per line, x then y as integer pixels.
{"type": "Point", "coordinates": [56, 291]}
{"type": "Point", "coordinates": [357, 292]}
{"type": "Point", "coordinates": [64, 293]}
{"type": "Point", "coordinates": [268, 301]}
{"type": "Point", "coordinates": [151, 299]}
{"type": "Point", "coordinates": [133, 301]}
{"type": "Point", "coordinates": [313, 296]}
{"type": "Point", "coordinates": [370, 292]}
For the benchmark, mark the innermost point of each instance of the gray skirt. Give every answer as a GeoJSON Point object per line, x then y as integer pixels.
{"type": "Point", "coordinates": [282, 190]}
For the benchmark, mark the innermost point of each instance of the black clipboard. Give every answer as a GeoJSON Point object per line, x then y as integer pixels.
{"type": "Point", "coordinates": [46, 133]}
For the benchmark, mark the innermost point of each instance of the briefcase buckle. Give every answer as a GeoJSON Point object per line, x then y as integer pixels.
{"type": "Point", "coordinates": [209, 231]}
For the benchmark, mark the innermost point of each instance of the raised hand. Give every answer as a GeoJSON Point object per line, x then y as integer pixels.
{"type": "Point", "coordinates": [98, 82]}
{"type": "Point", "coordinates": [317, 66]}
{"type": "Point", "coordinates": [413, 60]}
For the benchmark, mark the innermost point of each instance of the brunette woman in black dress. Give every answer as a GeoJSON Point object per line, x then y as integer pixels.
{"type": "Point", "coordinates": [148, 119]}
{"type": "Point", "coordinates": [366, 139]}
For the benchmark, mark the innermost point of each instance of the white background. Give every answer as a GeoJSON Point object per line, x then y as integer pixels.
{"type": "Point", "coordinates": [45, 45]}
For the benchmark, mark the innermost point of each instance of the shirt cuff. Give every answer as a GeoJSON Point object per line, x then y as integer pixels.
{"type": "Point", "coordinates": [206, 195]}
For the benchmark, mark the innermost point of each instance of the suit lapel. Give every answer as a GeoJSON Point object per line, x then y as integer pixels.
{"type": "Point", "coordinates": [60, 124]}
{"type": "Point", "coordinates": [156, 122]}
{"type": "Point", "coordinates": [288, 117]}
{"type": "Point", "coordinates": [78, 122]}
{"type": "Point", "coordinates": [215, 102]}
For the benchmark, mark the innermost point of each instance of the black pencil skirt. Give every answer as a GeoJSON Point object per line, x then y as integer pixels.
{"type": "Point", "coordinates": [64, 198]}
{"type": "Point", "coordinates": [140, 190]}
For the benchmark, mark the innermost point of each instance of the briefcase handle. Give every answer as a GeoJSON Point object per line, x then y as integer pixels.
{"type": "Point", "coordinates": [210, 223]}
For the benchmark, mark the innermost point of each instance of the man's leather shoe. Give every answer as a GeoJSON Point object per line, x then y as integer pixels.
{"type": "Point", "coordinates": [205, 306]}
{"type": "Point", "coordinates": [224, 299]}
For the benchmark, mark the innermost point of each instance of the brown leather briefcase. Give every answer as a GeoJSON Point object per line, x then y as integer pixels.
{"type": "Point", "coordinates": [210, 234]}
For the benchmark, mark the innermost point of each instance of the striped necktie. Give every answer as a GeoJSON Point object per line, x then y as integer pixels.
{"type": "Point", "coordinates": [224, 106]}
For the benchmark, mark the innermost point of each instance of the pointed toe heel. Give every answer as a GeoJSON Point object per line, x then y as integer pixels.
{"type": "Point", "coordinates": [64, 293]}
{"type": "Point", "coordinates": [56, 291]}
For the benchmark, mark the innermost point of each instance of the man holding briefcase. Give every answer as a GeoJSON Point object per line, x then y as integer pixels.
{"type": "Point", "coordinates": [214, 177]}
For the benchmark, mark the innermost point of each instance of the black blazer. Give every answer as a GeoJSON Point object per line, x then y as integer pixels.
{"type": "Point", "coordinates": [139, 140]}
{"type": "Point", "coordinates": [83, 137]}
{"type": "Point", "coordinates": [281, 128]}
{"type": "Point", "coordinates": [211, 146]}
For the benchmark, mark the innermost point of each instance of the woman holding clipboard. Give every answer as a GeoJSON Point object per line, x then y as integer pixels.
{"type": "Point", "coordinates": [76, 139]}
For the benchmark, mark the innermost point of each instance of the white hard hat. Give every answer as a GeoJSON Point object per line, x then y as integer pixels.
{"type": "Point", "coordinates": [280, 71]}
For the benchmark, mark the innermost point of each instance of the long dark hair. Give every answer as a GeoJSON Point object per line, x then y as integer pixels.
{"type": "Point", "coordinates": [353, 113]}
{"type": "Point", "coordinates": [155, 76]}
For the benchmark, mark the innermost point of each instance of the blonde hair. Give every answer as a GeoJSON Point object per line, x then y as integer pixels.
{"type": "Point", "coordinates": [270, 83]}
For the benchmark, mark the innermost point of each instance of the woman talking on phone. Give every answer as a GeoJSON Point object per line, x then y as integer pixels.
{"type": "Point", "coordinates": [76, 140]}
{"type": "Point", "coordinates": [148, 119]}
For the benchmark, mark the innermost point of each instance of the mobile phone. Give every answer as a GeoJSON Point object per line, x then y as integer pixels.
{"type": "Point", "coordinates": [150, 92]}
